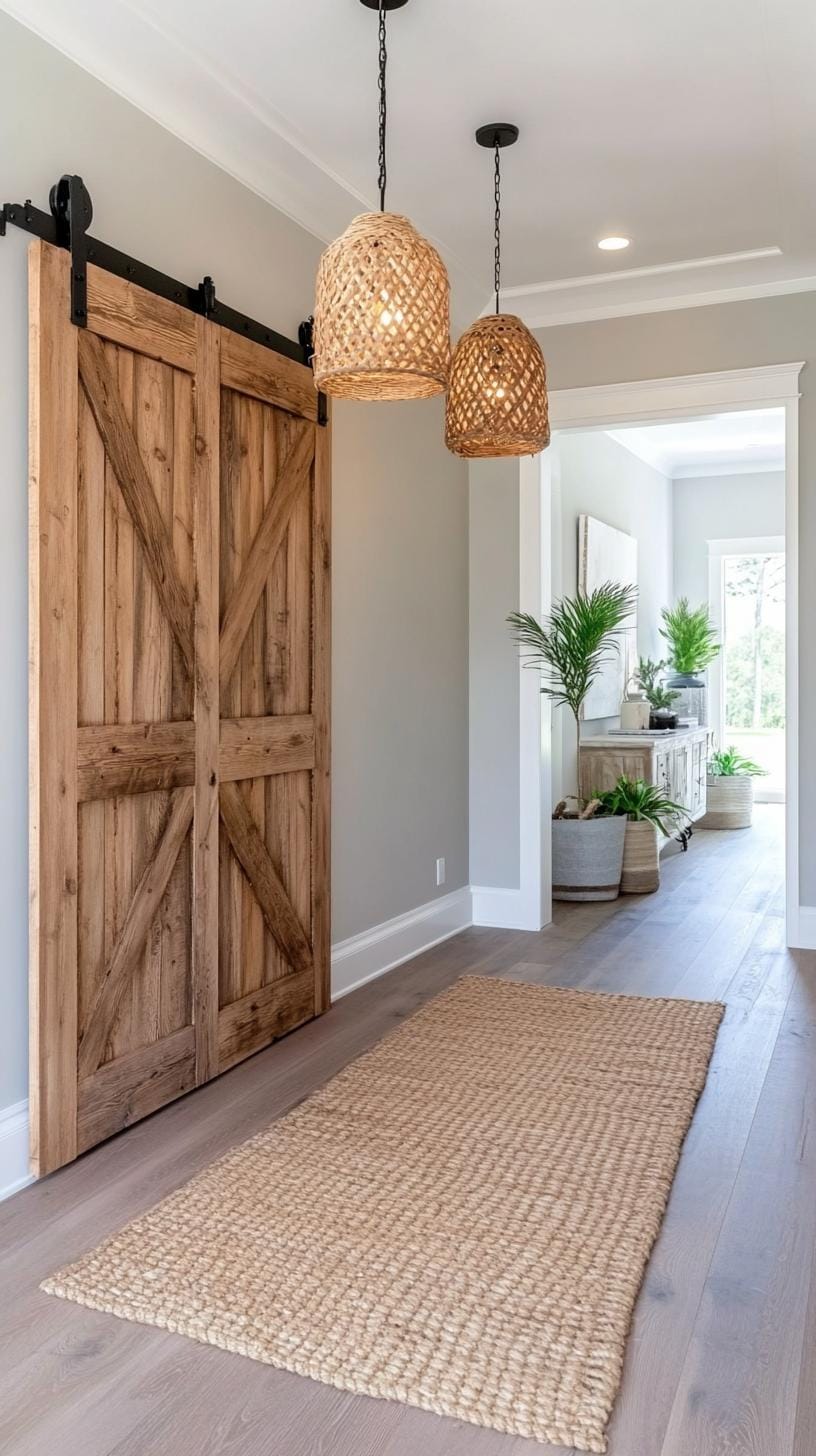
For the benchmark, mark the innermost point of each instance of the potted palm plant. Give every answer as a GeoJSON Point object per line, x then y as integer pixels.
{"type": "Point", "coordinates": [570, 651]}
{"type": "Point", "coordinates": [645, 809]}
{"type": "Point", "coordinates": [692, 642]}
{"type": "Point", "coordinates": [730, 790]}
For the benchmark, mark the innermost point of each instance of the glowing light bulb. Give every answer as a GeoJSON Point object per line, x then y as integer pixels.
{"type": "Point", "coordinates": [390, 313]}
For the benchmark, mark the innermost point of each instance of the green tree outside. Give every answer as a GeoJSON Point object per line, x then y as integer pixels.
{"type": "Point", "coordinates": [741, 681]}
{"type": "Point", "coordinates": [755, 660]}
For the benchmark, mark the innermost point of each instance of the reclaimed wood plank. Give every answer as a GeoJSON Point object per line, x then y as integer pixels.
{"type": "Point", "coordinates": [294, 474]}
{"type": "Point", "coordinates": [147, 896]}
{"type": "Point", "coordinates": [263, 1015]}
{"type": "Point", "coordinates": [134, 482]}
{"type": "Point", "coordinates": [125, 314]}
{"type": "Point", "coordinates": [273, 379]}
{"type": "Point", "coordinates": [254, 747]}
{"type": "Point", "coordinates": [134, 758]}
{"type": "Point", "coordinates": [207, 705]}
{"type": "Point", "coordinates": [253, 856]}
{"type": "Point", "coordinates": [53, 863]}
{"type": "Point", "coordinates": [122, 1092]}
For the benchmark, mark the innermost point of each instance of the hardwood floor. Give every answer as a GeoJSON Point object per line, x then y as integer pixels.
{"type": "Point", "coordinates": [721, 1357]}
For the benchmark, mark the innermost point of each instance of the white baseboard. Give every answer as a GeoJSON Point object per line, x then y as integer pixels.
{"type": "Point", "coordinates": [14, 1172]}
{"type": "Point", "coordinates": [504, 909]}
{"type": "Point", "coordinates": [802, 935]}
{"type": "Point", "coordinates": [363, 957]}
{"type": "Point", "coordinates": [354, 961]}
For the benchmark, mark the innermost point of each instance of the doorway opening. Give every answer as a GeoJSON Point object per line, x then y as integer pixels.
{"type": "Point", "coordinates": [643, 507]}
{"type": "Point", "coordinates": [700, 400]}
{"type": "Point", "coordinates": [657, 497]}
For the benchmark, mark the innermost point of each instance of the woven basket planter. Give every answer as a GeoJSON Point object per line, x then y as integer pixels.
{"type": "Point", "coordinates": [587, 858]}
{"type": "Point", "coordinates": [729, 802]}
{"type": "Point", "coordinates": [497, 394]}
{"type": "Point", "coordinates": [641, 859]}
{"type": "Point", "coordinates": [382, 313]}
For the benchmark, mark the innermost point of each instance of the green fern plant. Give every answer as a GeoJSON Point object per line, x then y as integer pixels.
{"type": "Point", "coordinates": [572, 648]}
{"type": "Point", "coordinates": [726, 763]}
{"type": "Point", "coordinates": [692, 640]}
{"type": "Point", "coordinates": [641, 802]}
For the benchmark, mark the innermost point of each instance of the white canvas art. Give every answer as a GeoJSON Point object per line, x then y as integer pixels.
{"type": "Point", "coordinates": [605, 554]}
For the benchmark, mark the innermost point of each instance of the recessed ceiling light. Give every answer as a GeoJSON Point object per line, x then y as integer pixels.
{"type": "Point", "coordinates": [613, 245]}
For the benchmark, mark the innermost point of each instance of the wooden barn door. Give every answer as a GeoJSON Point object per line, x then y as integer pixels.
{"type": "Point", "coordinates": [179, 704]}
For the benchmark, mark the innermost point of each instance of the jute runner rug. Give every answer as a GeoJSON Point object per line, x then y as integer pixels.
{"type": "Point", "coordinates": [460, 1220]}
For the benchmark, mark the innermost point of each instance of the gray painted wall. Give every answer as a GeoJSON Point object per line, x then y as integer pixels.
{"type": "Point", "coordinates": [494, 697]}
{"type": "Point", "coordinates": [753, 332]}
{"type": "Point", "coordinates": [400, 795]}
{"type": "Point", "coordinates": [400, 511]}
{"type": "Point", "coordinates": [718, 507]}
{"type": "Point", "coordinates": [601, 478]}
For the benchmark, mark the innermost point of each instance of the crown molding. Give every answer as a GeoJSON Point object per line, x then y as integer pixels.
{"type": "Point", "coordinates": [537, 317]}
{"type": "Point", "coordinates": [646, 270]}
{"type": "Point", "coordinates": [652, 288]}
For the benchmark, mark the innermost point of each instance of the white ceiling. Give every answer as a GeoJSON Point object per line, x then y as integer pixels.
{"type": "Point", "coordinates": [728, 444]}
{"type": "Point", "coordinates": [690, 129]}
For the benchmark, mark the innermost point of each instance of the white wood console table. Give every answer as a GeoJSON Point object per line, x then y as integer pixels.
{"type": "Point", "coordinates": [675, 762]}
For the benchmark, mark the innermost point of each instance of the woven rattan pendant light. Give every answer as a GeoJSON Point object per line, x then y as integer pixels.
{"type": "Point", "coordinates": [382, 311]}
{"type": "Point", "coordinates": [497, 391]}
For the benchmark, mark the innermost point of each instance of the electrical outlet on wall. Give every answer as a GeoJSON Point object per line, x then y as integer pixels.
{"type": "Point", "coordinates": [440, 871]}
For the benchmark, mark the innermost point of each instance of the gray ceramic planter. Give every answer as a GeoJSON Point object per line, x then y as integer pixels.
{"type": "Point", "coordinates": [587, 858]}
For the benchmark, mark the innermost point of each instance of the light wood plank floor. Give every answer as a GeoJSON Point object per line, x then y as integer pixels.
{"type": "Point", "coordinates": [722, 1357]}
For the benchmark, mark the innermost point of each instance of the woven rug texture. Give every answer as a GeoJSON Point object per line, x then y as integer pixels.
{"type": "Point", "coordinates": [460, 1220]}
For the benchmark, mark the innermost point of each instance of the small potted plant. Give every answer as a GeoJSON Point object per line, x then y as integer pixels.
{"type": "Point", "coordinates": [662, 703]}
{"type": "Point", "coordinates": [692, 643]}
{"type": "Point", "coordinates": [659, 698]}
{"type": "Point", "coordinates": [570, 651]}
{"type": "Point", "coordinates": [645, 809]}
{"type": "Point", "coordinates": [730, 790]}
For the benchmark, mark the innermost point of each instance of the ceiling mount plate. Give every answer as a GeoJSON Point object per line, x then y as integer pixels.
{"type": "Point", "coordinates": [387, 4]}
{"type": "Point", "coordinates": [497, 134]}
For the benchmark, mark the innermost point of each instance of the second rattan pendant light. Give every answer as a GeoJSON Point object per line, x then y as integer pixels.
{"type": "Point", "coordinates": [497, 390]}
{"type": "Point", "coordinates": [382, 311]}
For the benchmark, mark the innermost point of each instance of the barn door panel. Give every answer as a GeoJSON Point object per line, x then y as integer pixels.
{"type": "Point", "coordinates": [179, 642]}
{"type": "Point", "coordinates": [135, 667]}
{"type": "Point", "coordinates": [269, 804]}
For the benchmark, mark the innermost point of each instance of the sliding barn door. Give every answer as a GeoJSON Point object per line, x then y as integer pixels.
{"type": "Point", "coordinates": [179, 705]}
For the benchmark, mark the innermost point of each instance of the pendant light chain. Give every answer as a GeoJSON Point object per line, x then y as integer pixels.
{"type": "Point", "coordinates": [497, 228]}
{"type": "Point", "coordinates": [383, 174]}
